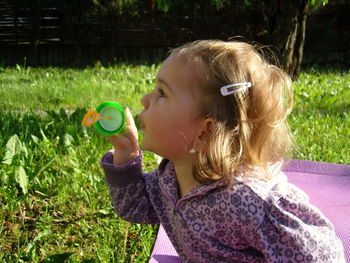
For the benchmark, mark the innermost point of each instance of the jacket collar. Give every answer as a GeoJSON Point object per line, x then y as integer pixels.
{"type": "Point", "coordinates": [169, 184]}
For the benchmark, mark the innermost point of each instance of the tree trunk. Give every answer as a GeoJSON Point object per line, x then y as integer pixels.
{"type": "Point", "coordinates": [287, 33]}
{"type": "Point", "coordinates": [300, 41]}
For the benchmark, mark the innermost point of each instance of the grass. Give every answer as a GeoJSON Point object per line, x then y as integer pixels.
{"type": "Point", "coordinates": [55, 204]}
{"type": "Point", "coordinates": [52, 88]}
{"type": "Point", "coordinates": [320, 121]}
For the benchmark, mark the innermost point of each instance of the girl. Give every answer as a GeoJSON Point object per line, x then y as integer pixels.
{"type": "Point", "coordinates": [218, 118]}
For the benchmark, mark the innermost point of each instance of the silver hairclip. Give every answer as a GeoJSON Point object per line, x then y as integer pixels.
{"type": "Point", "coordinates": [230, 89]}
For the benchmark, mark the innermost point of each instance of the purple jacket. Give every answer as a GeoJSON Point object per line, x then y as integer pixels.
{"type": "Point", "coordinates": [253, 221]}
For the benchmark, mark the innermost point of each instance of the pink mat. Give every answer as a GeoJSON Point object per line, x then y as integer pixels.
{"type": "Point", "coordinates": [328, 186]}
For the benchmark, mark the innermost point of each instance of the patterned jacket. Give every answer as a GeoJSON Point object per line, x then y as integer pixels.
{"type": "Point", "coordinates": [252, 221]}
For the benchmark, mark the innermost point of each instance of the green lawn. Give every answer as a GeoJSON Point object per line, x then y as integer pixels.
{"type": "Point", "coordinates": [52, 88]}
{"type": "Point", "coordinates": [321, 118]}
{"type": "Point", "coordinates": [54, 202]}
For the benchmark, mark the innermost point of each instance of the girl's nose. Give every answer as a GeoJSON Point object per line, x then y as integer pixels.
{"type": "Point", "coordinates": [145, 100]}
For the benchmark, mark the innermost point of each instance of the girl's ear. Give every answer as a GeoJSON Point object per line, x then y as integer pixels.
{"type": "Point", "coordinates": [203, 133]}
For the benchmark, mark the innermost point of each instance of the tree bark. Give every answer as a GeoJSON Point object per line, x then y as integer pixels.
{"type": "Point", "coordinates": [300, 41]}
{"type": "Point", "coordinates": [287, 33]}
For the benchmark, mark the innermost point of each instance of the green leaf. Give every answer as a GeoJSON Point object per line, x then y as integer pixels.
{"type": "Point", "coordinates": [68, 140]}
{"type": "Point", "coordinates": [13, 146]}
{"type": "Point", "coordinates": [44, 136]}
{"type": "Point", "coordinates": [30, 247]}
{"type": "Point", "coordinates": [35, 139]}
{"type": "Point", "coordinates": [42, 234]}
{"type": "Point", "coordinates": [24, 149]}
{"type": "Point", "coordinates": [164, 5]}
{"type": "Point", "coordinates": [4, 177]}
{"type": "Point", "coordinates": [22, 179]}
{"type": "Point", "coordinates": [104, 212]}
{"type": "Point", "coordinates": [57, 258]}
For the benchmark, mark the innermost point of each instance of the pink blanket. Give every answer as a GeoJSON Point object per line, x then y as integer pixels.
{"type": "Point", "coordinates": [328, 186]}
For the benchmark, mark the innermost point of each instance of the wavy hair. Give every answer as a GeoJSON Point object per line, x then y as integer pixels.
{"type": "Point", "coordinates": [249, 128]}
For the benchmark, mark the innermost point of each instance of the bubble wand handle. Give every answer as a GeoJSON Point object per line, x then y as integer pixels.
{"type": "Point", "coordinates": [109, 118]}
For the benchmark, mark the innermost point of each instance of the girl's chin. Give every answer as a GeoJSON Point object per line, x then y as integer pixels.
{"type": "Point", "coordinates": [145, 146]}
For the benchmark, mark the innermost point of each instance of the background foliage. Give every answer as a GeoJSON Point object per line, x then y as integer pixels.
{"type": "Point", "coordinates": [76, 33]}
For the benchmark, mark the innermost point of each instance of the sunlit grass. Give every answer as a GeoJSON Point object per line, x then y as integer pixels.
{"type": "Point", "coordinates": [52, 88]}
{"type": "Point", "coordinates": [54, 202]}
{"type": "Point", "coordinates": [321, 117]}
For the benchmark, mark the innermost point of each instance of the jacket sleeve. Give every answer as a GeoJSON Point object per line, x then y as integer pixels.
{"type": "Point", "coordinates": [292, 230]}
{"type": "Point", "coordinates": [127, 186]}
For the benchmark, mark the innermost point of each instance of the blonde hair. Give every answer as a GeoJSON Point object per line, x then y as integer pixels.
{"type": "Point", "coordinates": [249, 128]}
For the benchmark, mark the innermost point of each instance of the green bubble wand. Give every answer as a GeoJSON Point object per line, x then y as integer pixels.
{"type": "Point", "coordinates": [108, 118]}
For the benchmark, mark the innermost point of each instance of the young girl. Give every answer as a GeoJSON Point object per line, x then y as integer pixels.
{"type": "Point", "coordinates": [217, 116]}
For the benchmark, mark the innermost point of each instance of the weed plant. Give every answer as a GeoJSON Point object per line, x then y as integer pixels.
{"type": "Point", "coordinates": [55, 205]}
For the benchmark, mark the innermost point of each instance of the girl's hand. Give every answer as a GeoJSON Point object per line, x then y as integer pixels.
{"type": "Point", "coordinates": [125, 143]}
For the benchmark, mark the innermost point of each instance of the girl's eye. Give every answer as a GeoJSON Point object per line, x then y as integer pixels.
{"type": "Point", "coordinates": [161, 92]}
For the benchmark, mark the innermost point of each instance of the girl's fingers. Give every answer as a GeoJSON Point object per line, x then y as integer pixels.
{"type": "Point", "coordinates": [129, 119]}
{"type": "Point", "coordinates": [120, 142]}
{"type": "Point", "coordinates": [128, 139]}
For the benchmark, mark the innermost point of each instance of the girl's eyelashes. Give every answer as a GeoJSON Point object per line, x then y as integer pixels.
{"type": "Point", "coordinates": [160, 92]}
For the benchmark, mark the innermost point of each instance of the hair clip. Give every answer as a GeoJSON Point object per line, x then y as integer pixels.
{"type": "Point", "coordinates": [229, 89]}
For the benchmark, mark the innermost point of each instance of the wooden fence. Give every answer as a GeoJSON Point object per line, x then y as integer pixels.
{"type": "Point", "coordinates": [45, 35]}
{"type": "Point", "coordinates": [328, 35]}
{"type": "Point", "coordinates": [50, 34]}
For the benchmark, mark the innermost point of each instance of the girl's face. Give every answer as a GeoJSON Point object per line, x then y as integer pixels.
{"type": "Point", "coordinates": [171, 118]}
